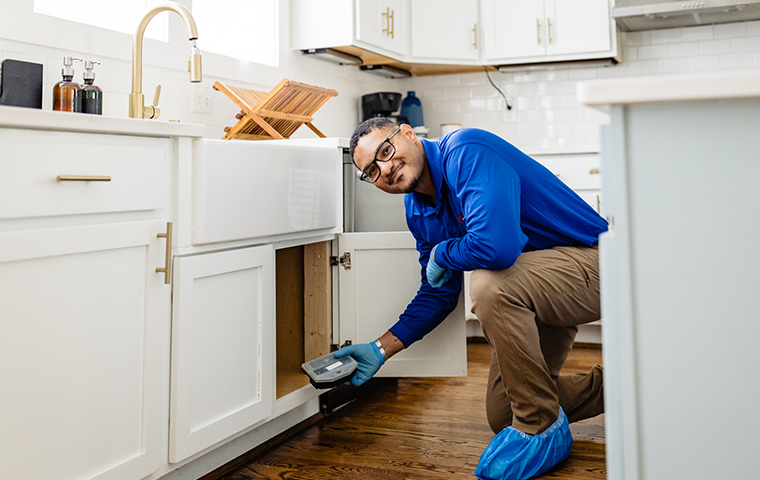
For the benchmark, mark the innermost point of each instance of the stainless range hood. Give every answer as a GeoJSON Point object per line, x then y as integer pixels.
{"type": "Point", "coordinates": [633, 15]}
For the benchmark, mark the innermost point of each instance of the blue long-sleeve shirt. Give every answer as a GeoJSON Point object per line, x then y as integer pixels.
{"type": "Point", "coordinates": [492, 203]}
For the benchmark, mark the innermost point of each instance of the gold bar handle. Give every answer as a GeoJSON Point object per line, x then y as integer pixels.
{"type": "Point", "coordinates": [387, 15]}
{"type": "Point", "coordinates": [83, 178]}
{"type": "Point", "coordinates": [167, 269]}
{"type": "Point", "coordinates": [393, 24]}
{"type": "Point", "coordinates": [475, 31]}
{"type": "Point", "coordinates": [594, 171]}
{"type": "Point", "coordinates": [549, 28]}
{"type": "Point", "coordinates": [538, 30]}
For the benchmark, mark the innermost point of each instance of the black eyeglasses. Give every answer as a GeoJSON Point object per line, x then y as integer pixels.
{"type": "Point", "coordinates": [384, 152]}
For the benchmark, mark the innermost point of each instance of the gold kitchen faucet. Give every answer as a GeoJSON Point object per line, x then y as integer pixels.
{"type": "Point", "coordinates": [137, 108]}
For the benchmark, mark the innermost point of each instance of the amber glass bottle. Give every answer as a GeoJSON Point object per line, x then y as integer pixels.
{"type": "Point", "coordinates": [67, 94]}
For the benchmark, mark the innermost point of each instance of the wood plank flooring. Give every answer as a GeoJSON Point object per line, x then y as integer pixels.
{"type": "Point", "coordinates": [419, 428]}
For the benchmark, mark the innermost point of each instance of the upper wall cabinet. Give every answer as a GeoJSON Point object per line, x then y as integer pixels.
{"type": "Point", "coordinates": [548, 30]}
{"type": "Point", "coordinates": [445, 30]}
{"type": "Point", "coordinates": [383, 24]}
{"type": "Point", "coordinates": [377, 26]}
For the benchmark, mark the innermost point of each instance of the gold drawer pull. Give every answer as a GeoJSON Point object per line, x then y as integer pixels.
{"type": "Point", "coordinates": [167, 269]}
{"type": "Point", "coordinates": [84, 178]}
{"type": "Point", "coordinates": [594, 171]}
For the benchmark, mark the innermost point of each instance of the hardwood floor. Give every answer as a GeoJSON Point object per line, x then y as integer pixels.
{"type": "Point", "coordinates": [420, 428]}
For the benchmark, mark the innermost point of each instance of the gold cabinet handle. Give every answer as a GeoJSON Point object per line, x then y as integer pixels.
{"type": "Point", "coordinates": [83, 178]}
{"type": "Point", "coordinates": [393, 24]}
{"type": "Point", "coordinates": [167, 268]}
{"type": "Point", "coordinates": [594, 171]}
{"type": "Point", "coordinates": [387, 15]}
{"type": "Point", "coordinates": [475, 31]}
{"type": "Point", "coordinates": [538, 30]}
{"type": "Point", "coordinates": [549, 28]}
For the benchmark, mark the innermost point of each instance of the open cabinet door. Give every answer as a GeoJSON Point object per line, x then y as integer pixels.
{"type": "Point", "coordinates": [383, 277]}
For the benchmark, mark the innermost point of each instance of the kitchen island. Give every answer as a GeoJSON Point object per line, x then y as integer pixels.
{"type": "Point", "coordinates": [680, 273]}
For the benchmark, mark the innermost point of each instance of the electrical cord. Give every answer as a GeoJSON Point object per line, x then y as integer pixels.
{"type": "Point", "coordinates": [509, 107]}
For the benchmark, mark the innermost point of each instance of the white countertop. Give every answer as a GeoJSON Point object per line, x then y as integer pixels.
{"type": "Point", "coordinates": [17, 117]}
{"type": "Point", "coordinates": [669, 88]}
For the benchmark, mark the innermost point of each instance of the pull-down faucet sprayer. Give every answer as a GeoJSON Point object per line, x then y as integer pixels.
{"type": "Point", "coordinates": [137, 108]}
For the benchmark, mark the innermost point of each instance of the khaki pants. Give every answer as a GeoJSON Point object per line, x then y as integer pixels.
{"type": "Point", "coordinates": [529, 314]}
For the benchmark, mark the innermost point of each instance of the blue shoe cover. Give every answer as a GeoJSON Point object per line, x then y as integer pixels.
{"type": "Point", "coordinates": [514, 455]}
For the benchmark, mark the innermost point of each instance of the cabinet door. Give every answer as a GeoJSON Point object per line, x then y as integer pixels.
{"type": "Point", "coordinates": [81, 362]}
{"type": "Point", "coordinates": [383, 24]}
{"type": "Point", "coordinates": [383, 278]}
{"type": "Point", "coordinates": [445, 30]}
{"type": "Point", "coordinates": [577, 26]}
{"type": "Point", "coordinates": [222, 379]}
{"type": "Point", "coordinates": [514, 28]}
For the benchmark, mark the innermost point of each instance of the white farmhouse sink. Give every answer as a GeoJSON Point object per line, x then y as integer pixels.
{"type": "Point", "coordinates": [250, 189]}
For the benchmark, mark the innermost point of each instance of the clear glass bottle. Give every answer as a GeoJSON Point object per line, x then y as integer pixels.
{"type": "Point", "coordinates": [92, 95]}
{"type": "Point", "coordinates": [67, 94]}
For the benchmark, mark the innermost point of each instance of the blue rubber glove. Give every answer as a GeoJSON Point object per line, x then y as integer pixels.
{"type": "Point", "coordinates": [369, 358]}
{"type": "Point", "coordinates": [514, 455]}
{"type": "Point", "coordinates": [436, 274]}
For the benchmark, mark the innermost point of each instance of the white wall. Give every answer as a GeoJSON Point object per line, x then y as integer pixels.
{"type": "Point", "coordinates": [338, 117]}
{"type": "Point", "coordinates": [546, 111]}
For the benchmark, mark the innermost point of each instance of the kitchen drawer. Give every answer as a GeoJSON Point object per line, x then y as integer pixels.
{"type": "Point", "coordinates": [32, 162]}
{"type": "Point", "coordinates": [578, 171]}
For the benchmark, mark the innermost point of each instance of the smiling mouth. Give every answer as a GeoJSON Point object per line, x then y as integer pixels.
{"type": "Point", "coordinates": [396, 175]}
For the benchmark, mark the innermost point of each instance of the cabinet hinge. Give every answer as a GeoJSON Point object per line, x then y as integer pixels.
{"type": "Point", "coordinates": [335, 347]}
{"type": "Point", "coordinates": [344, 260]}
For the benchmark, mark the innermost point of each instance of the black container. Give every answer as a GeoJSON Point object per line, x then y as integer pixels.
{"type": "Point", "coordinates": [21, 84]}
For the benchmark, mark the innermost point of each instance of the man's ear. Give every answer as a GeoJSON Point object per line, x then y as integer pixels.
{"type": "Point", "coordinates": [407, 130]}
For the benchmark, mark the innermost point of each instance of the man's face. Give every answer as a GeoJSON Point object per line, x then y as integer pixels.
{"type": "Point", "coordinates": [401, 173]}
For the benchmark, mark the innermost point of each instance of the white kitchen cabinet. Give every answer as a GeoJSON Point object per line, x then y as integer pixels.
{"type": "Point", "coordinates": [680, 275]}
{"type": "Point", "coordinates": [445, 30]}
{"type": "Point", "coordinates": [549, 30]}
{"type": "Point", "coordinates": [384, 277]}
{"type": "Point", "coordinates": [222, 346]}
{"type": "Point", "coordinates": [581, 172]}
{"type": "Point", "coordinates": [377, 26]}
{"type": "Point", "coordinates": [383, 24]}
{"type": "Point", "coordinates": [81, 312]}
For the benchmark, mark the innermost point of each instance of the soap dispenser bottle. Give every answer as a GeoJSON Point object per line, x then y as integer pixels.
{"type": "Point", "coordinates": [67, 94]}
{"type": "Point", "coordinates": [92, 96]}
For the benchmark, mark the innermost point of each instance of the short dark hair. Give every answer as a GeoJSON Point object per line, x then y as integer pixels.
{"type": "Point", "coordinates": [366, 128]}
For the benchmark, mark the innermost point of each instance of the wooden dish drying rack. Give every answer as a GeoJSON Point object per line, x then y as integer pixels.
{"type": "Point", "coordinates": [277, 114]}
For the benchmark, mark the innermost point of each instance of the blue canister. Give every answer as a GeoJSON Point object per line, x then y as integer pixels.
{"type": "Point", "coordinates": [411, 108]}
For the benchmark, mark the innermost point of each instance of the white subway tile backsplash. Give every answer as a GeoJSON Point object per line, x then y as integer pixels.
{"type": "Point", "coordinates": [689, 49]}
{"type": "Point", "coordinates": [541, 88]}
{"type": "Point", "coordinates": [569, 115]}
{"type": "Point", "coordinates": [669, 35]}
{"type": "Point", "coordinates": [729, 30]}
{"type": "Point", "coordinates": [704, 32]}
{"type": "Point", "coordinates": [473, 105]}
{"type": "Point", "coordinates": [463, 93]}
{"type": "Point", "coordinates": [703, 63]}
{"type": "Point", "coordinates": [582, 73]}
{"type": "Point", "coordinates": [653, 51]}
{"type": "Point", "coordinates": [637, 38]}
{"type": "Point", "coordinates": [746, 44]}
{"type": "Point", "coordinates": [554, 75]}
{"type": "Point", "coordinates": [630, 53]}
{"type": "Point", "coordinates": [446, 80]}
{"type": "Point", "coordinates": [673, 65]}
{"type": "Point", "coordinates": [642, 67]}
{"type": "Point", "coordinates": [712, 47]}
{"type": "Point", "coordinates": [753, 28]}
{"type": "Point", "coordinates": [10, 47]}
{"type": "Point", "coordinates": [737, 60]}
